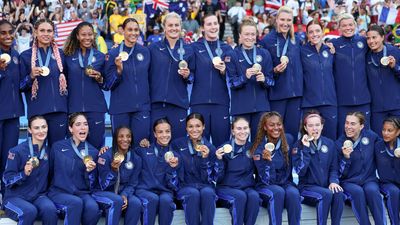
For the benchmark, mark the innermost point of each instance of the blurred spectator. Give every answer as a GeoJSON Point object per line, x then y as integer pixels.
{"type": "Point", "coordinates": [294, 5]}
{"type": "Point", "coordinates": [261, 23]}
{"type": "Point", "coordinates": [52, 4]}
{"type": "Point", "coordinates": [363, 20]}
{"type": "Point", "coordinates": [84, 11]}
{"type": "Point", "coordinates": [258, 7]}
{"type": "Point", "coordinates": [210, 8]}
{"type": "Point", "coordinates": [119, 36]}
{"type": "Point", "coordinates": [41, 8]}
{"type": "Point", "coordinates": [265, 31]}
{"type": "Point", "coordinates": [229, 41]}
{"type": "Point", "coordinates": [68, 8]}
{"type": "Point", "coordinates": [156, 36]}
{"type": "Point", "coordinates": [301, 34]}
{"type": "Point", "coordinates": [355, 10]}
{"type": "Point", "coordinates": [56, 16]}
{"type": "Point", "coordinates": [190, 24]}
{"type": "Point", "coordinates": [100, 42]}
{"type": "Point", "coordinates": [247, 8]}
{"type": "Point", "coordinates": [223, 9]}
{"type": "Point", "coordinates": [236, 15]}
{"type": "Point", "coordinates": [97, 22]}
{"type": "Point", "coordinates": [114, 20]}
{"type": "Point", "coordinates": [23, 36]}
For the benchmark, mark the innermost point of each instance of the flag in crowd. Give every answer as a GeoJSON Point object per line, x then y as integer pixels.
{"type": "Point", "coordinates": [152, 7]}
{"type": "Point", "coordinates": [63, 30]}
{"type": "Point", "coordinates": [389, 15]}
{"type": "Point", "coordinates": [273, 5]}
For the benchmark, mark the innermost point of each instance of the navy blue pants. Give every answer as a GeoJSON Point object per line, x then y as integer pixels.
{"type": "Point", "coordinates": [138, 122]}
{"type": "Point", "coordinates": [112, 203]}
{"type": "Point", "coordinates": [82, 209]}
{"type": "Point", "coordinates": [243, 204]}
{"type": "Point", "coordinates": [378, 117]}
{"type": "Point", "coordinates": [325, 200]}
{"type": "Point", "coordinates": [277, 198]}
{"type": "Point", "coordinates": [392, 195]}
{"type": "Point", "coordinates": [217, 122]}
{"type": "Point", "coordinates": [175, 114]}
{"type": "Point", "coordinates": [290, 112]}
{"type": "Point", "coordinates": [9, 134]}
{"type": "Point", "coordinates": [97, 128]}
{"type": "Point", "coordinates": [58, 126]}
{"type": "Point", "coordinates": [343, 110]}
{"type": "Point", "coordinates": [360, 197]}
{"type": "Point", "coordinates": [152, 203]}
{"type": "Point", "coordinates": [198, 203]}
{"type": "Point", "coordinates": [254, 119]}
{"type": "Point", "coordinates": [26, 212]}
{"type": "Point", "coordinates": [329, 113]}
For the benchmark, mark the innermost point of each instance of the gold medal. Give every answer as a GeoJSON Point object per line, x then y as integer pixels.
{"type": "Point", "coordinates": [285, 59]}
{"type": "Point", "coordinates": [119, 157]}
{"type": "Point", "coordinates": [270, 146]}
{"type": "Point", "coordinates": [6, 57]}
{"type": "Point", "coordinates": [124, 56]}
{"type": "Point", "coordinates": [89, 70]}
{"type": "Point", "coordinates": [397, 152]}
{"type": "Point", "coordinates": [197, 145]}
{"type": "Point", "coordinates": [45, 71]}
{"type": "Point", "coordinates": [385, 60]}
{"type": "Point", "coordinates": [348, 144]}
{"type": "Point", "coordinates": [87, 158]}
{"type": "Point", "coordinates": [217, 60]}
{"type": "Point", "coordinates": [168, 156]}
{"type": "Point", "coordinates": [309, 138]}
{"type": "Point", "coordinates": [257, 67]}
{"type": "Point", "coordinates": [227, 148]}
{"type": "Point", "coordinates": [34, 161]}
{"type": "Point", "coordinates": [183, 65]}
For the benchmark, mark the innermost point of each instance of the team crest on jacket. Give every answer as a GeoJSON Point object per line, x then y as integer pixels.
{"type": "Point", "coordinates": [15, 60]}
{"type": "Point", "coordinates": [360, 44]}
{"type": "Point", "coordinates": [93, 59]}
{"type": "Point", "coordinates": [325, 54]}
{"type": "Point", "coordinates": [139, 57]}
{"type": "Point", "coordinates": [324, 149]}
{"type": "Point", "coordinates": [248, 154]}
{"type": "Point", "coordinates": [365, 141]}
{"type": "Point", "coordinates": [259, 58]}
{"type": "Point", "coordinates": [181, 51]}
{"type": "Point", "coordinates": [294, 151]}
{"type": "Point", "coordinates": [45, 156]}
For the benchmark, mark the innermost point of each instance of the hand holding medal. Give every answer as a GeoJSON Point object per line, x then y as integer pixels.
{"type": "Point", "coordinates": [28, 168]}
{"type": "Point", "coordinates": [117, 161]}
{"type": "Point", "coordinates": [226, 149]}
{"type": "Point", "coordinates": [347, 148]}
{"type": "Point", "coordinates": [306, 140]}
{"type": "Point", "coordinates": [171, 159]}
{"type": "Point", "coordinates": [183, 69]}
{"type": "Point", "coordinates": [5, 59]}
{"type": "Point", "coordinates": [219, 64]}
{"type": "Point", "coordinates": [89, 163]}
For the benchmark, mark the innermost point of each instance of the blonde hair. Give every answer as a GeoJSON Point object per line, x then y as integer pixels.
{"type": "Point", "coordinates": [286, 9]}
{"type": "Point", "coordinates": [171, 15]}
{"type": "Point", "coordinates": [248, 22]}
{"type": "Point", "coordinates": [345, 16]}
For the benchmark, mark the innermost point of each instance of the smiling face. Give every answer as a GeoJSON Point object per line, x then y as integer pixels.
{"type": "Point", "coordinates": [314, 126]}
{"type": "Point", "coordinates": [38, 129]}
{"type": "Point", "coordinates": [347, 27]}
{"type": "Point", "coordinates": [124, 139]}
{"type": "Point", "coordinates": [273, 127]}
{"type": "Point", "coordinates": [284, 22]}
{"type": "Point", "coordinates": [79, 129]}
{"type": "Point", "coordinates": [172, 28]}
{"type": "Point", "coordinates": [85, 37]}
{"type": "Point", "coordinates": [390, 132]}
{"type": "Point", "coordinates": [248, 36]}
{"type": "Point", "coordinates": [131, 33]}
{"type": "Point", "coordinates": [44, 34]}
{"type": "Point", "coordinates": [374, 40]}
{"type": "Point", "coordinates": [314, 34]}
{"type": "Point", "coordinates": [353, 127]}
{"type": "Point", "coordinates": [6, 36]}
{"type": "Point", "coordinates": [241, 130]}
{"type": "Point", "coordinates": [211, 28]}
{"type": "Point", "coordinates": [163, 134]}
{"type": "Point", "coordinates": [195, 128]}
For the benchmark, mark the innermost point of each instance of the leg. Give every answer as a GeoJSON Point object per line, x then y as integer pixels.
{"type": "Point", "coordinates": [237, 202]}
{"type": "Point", "coordinates": [203, 110]}
{"type": "Point", "coordinates": [274, 196]}
{"type": "Point", "coordinates": [207, 202]}
{"type": "Point", "coordinates": [96, 122]}
{"type": "Point", "coordinates": [140, 126]}
{"type": "Point", "coordinates": [323, 198]}
{"type": "Point", "coordinates": [255, 119]}
{"type": "Point", "coordinates": [252, 206]}
{"type": "Point", "coordinates": [392, 194]}
{"type": "Point", "coordinates": [9, 133]}
{"type": "Point", "coordinates": [329, 113]}
{"type": "Point", "coordinates": [293, 205]}
{"type": "Point", "coordinates": [375, 202]}
{"type": "Point", "coordinates": [190, 198]}
{"type": "Point", "coordinates": [71, 205]}
{"type": "Point", "coordinates": [176, 116]}
{"type": "Point", "coordinates": [337, 208]}
{"type": "Point", "coordinates": [292, 116]}
{"type": "Point", "coordinates": [58, 125]}
{"type": "Point", "coordinates": [166, 209]}
{"type": "Point", "coordinates": [220, 124]}
{"type": "Point", "coordinates": [358, 202]}
{"type": "Point", "coordinates": [118, 120]}
{"type": "Point", "coordinates": [90, 212]}
{"type": "Point", "coordinates": [133, 211]}
{"type": "Point", "coordinates": [20, 210]}
{"type": "Point", "coordinates": [110, 202]}
{"type": "Point", "coordinates": [150, 203]}
{"type": "Point", "coordinates": [47, 211]}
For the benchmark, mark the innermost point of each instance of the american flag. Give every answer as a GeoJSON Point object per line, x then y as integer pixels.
{"type": "Point", "coordinates": [273, 5]}
{"type": "Point", "coordinates": [63, 30]}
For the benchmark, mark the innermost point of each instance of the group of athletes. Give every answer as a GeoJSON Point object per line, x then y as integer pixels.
{"type": "Point", "coordinates": [334, 93]}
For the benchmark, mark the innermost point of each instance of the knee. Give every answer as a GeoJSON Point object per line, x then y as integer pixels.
{"type": "Point", "coordinates": [134, 203]}
{"type": "Point", "coordinates": [75, 203]}
{"type": "Point", "coordinates": [30, 213]}
{"type": "Point", "coordinates": [166, 200]}
{"type": "Point", "coordinates": [208, 193]}
{"type": "Point", "coordinates": [253, 197]}
{"type": "Point", "coordinates": [91, 206]}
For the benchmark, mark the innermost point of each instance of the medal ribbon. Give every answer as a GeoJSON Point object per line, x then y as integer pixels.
{"type": "Point", "coordinates": [31, 149]}
{"type": "Point", "coordinates": [232, 154]}
{"type": "Point", "coordinates": [315, 147]}
{"type": "Point", "coordinates": [218, 51]}
{"type": "Point", "coordinates": [81, 63]}
{"type": "Point", "coordinates": [180, 51]}
{"type": "Point", "coordinates": [384, 55]}
{"type": "Point", "coordinates": [121, 49]}
{"type": "Point", "coordinates": [49, 51]}
{"type": "Point", "coordinates": [247, 57]}
{"type": "Point", "coordinates": [284, 47]}
{"type": "Point", "coordinates": [76, 149]}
